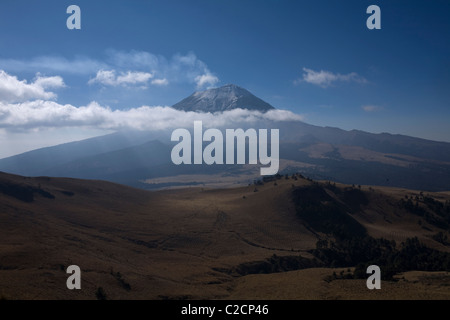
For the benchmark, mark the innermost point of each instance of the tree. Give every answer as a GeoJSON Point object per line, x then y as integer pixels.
{"type": "Point", "coordinates": [100, 294]}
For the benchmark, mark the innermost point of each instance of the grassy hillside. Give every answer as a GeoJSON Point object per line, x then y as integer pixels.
{"type": "Point", "coordinates": [199, 243]}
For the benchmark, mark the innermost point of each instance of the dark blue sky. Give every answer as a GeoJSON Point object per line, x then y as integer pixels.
{"type": "Point", "coordinates": [315, 58]}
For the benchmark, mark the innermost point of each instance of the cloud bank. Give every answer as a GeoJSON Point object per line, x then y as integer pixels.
{"type": "Point", "coordinates": [29, 106]}
{"type": "Point", "coordinates": [37, 114]}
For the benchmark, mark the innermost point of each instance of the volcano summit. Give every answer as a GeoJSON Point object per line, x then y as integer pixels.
{"type": "Point", "coordinates": [221, 99]}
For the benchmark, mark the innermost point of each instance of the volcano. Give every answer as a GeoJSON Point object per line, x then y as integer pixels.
{"type": "Point", "coordinates": [225, 98]}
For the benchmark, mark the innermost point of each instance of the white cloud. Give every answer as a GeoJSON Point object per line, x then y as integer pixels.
{"type": "Point", "coordinates": [326, 78]}
{"type": "Point", "coordinates": [188, 68]}
{"type": "Point", "coordinates": [39, 114]}
{"type": "Point", "coordinates": [180, 68]}
{"type": "Point", "coordinates": [49, 82]}
{"type": "Point", "coordinates": [160, 82]}
{"type": "Point", "coordinates": [208, 80]}
{"type": "Point", "coordinates": [104, 77]}
{"type": "Point", "coordinates": [15, 90]}
{"type": "Point", "coordinates": [109, 77]}
{"type": "Point", "coordinates": [370, 108]}
{"type": "Point", "coordinates": [134, 77]}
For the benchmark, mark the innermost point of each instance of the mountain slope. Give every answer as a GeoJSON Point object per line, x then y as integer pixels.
{"type": "Point", "coordinates": [37, 162]}
{"type": "Point", "coordinates": [323, 153]}
{"type": "Point", "coordinates": [189, 243]}
{"type": "Point", "coordinates": [116, 165]}
{"type": "Point", "coordinates": [225, 98]}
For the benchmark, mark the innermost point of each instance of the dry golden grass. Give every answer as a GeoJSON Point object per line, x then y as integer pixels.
{"type": "Point", "coordinates": [312, 284]}
{"type": "Point", "coordinates": [243, 176]}
{"type": "Point", "coordinates": [169, 244]}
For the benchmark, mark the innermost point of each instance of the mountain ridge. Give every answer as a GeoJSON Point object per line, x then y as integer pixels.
{"type": "Point", "coordinates": [324, 153]}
